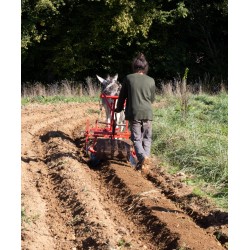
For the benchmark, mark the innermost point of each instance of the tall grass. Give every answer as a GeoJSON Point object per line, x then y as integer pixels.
{"type": "Point", "coordinates": [67, 88]}
{"type": "Point", "coordinates": [195, 143]}
{"type": "Point", "coordinates": [64, 91]}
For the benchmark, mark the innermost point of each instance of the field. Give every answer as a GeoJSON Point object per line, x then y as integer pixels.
{"type": "Point", "coordinates": [66, 204]}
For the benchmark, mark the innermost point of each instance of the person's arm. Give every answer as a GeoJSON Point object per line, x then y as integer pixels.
{"type": "Point", "coordinates": [122, 98]}
{"type": "Point", "coordinates": [153, 93]}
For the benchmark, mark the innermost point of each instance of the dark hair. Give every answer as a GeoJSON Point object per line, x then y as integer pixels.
{"type": "Point", "coordinates": [140, 64]}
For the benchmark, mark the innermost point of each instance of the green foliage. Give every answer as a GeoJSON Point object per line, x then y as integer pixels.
{"type": "Point", "coordinates": [36, 17]}
{"type": "Point", "coordinates": [197, 144]}
{"type": "Point", "coordinates": [27, 219]}
{"type": "Point", "coordinates": [122, 243]}
{"type": "Point", "coordinates": [64, 39]}
{"type": "Point", "coordinates": [58, 99]}
{"type": "Point", "coordinates": [185, 74]}
{"type": "Point", "coordinates": [23, 214]}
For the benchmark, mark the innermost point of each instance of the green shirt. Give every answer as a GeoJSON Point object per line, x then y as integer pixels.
{"type": "Point", "coordinates": [139, 92]}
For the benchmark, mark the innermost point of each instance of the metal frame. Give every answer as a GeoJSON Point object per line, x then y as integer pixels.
{"type": "Point", "coordinates": [110, 131]}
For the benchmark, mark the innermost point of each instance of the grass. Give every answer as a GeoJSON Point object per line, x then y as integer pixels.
{"type": "Point", "coordinates": [195, 143]}
{"type": "Point", "coordinates": [65, 91]}
{"type": "Point", "coordinates": [123, 244]}
{"type": "Point", "coordinates": [58, 99]}
{"type": "Point", "coordinates": [27, 219]}
{"type": "Point", "coordinates": [190, 132]}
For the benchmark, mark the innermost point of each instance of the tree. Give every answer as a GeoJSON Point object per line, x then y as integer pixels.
{"type": "Point", "coordinates": [74, 39]}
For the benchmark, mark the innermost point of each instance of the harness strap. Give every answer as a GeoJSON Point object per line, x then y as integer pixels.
{"type": "Point", "coordinates": [109, 85]}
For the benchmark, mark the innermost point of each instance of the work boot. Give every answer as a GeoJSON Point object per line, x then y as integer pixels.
{"type": "Point", "coordinates": [146, 161]}
{"type": "Point", "coordinates": [138, 166]}
{"type": "Point", "coordinates": [146, 165]}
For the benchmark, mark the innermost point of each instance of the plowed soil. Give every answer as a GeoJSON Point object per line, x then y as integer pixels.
{"type": "Point", "coordinates": [68, 204]}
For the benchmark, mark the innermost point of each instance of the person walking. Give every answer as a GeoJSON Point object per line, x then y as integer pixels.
{"type": "Point", "coordinates": [138, 91]}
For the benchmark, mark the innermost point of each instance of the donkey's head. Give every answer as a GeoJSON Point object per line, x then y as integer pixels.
{"type": "Point", "coordinates": [110, 85]}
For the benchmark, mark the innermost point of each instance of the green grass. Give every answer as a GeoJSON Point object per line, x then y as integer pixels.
{"type": "Point", "coordinates": [123, 244]}
{"type": "Point", "coordinates": [58, 99]}
{"type": "Point", "coordinates": [28, 219]}
{"type": "Point", "coordinates": [195, 143]}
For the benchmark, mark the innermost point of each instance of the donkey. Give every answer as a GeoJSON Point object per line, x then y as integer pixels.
{"type": "Point", "coordinates": [110, 86]}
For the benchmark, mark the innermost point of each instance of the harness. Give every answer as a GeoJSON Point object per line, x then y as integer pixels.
{"type": "Point", "coordinates": [105, 92]}
{"type": "Point", "coordinates": [109, 86]}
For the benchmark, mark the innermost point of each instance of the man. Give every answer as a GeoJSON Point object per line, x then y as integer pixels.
{"type": "Point", "coordinates": [138, 90]}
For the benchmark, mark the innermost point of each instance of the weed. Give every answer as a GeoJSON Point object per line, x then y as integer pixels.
{"type": "Point", "coordinates": [123, 243]}
{"type": "Point", "coordinates": [184, 94]}
{"type": "Point", "coordinates": [75, 221]}
{"type": "Point", "coordinates": [25, 219]}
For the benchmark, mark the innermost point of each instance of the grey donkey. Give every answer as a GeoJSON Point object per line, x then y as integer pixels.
{"type": "Point", "coordinates": [111, 87]}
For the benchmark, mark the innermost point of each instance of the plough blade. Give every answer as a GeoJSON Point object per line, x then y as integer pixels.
{"type": "Point", "coordinates": [107, 149]}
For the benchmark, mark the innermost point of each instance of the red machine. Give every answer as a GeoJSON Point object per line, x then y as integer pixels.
{"type": "Point", "coordinates": [110, 140]}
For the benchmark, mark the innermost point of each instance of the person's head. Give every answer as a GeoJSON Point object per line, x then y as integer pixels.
{"type": "Point", "coordinates": [140, 64]}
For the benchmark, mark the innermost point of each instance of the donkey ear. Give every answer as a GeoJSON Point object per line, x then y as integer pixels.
{"type": "Point", "coordinates": [100, 79]}
{"type": "Point", "coordinates": [116, 77]}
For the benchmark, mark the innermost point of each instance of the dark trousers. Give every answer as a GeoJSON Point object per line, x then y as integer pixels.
{"type": "Point", "coordinates": [141, 135]}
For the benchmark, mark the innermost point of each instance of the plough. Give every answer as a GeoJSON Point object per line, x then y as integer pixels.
{"type": "Point", "coordinates": [108, 140]}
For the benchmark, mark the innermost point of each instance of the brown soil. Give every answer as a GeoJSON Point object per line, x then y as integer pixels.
{"type": "Point", "coordinates": [68, 204]}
